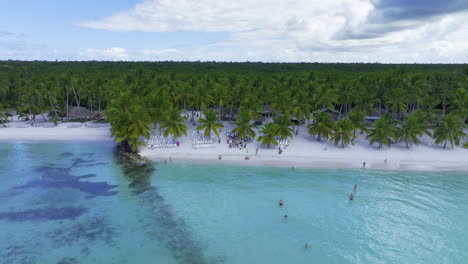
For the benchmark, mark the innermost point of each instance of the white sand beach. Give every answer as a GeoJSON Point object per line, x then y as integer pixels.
{"type": "Point", "coordinates": [19, 131]}
{"type": "Point", "coordinates": [303, 151]}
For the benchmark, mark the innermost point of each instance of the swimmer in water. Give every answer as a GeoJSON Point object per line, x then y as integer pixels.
{"type": "Point", "coordinates": [351, 197]}
{"type": "Point", "coordinates": [281, 202]}
{"type": "Point", "coordinates": [355, 187]}
{"type": "Point", "coordinates": [285, 217]}
{"type": "Point", "coordinates": [306, 245]}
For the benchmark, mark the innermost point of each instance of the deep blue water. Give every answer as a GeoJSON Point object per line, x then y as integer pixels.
{"type": "Point", "coordinates": [74, 203]}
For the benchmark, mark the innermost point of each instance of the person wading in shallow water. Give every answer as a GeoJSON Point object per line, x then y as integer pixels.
{"type": "Point", "coordinates": [355, 187]}
{"type": "Point", "coordinates": [281, 202]}
{"type": "Point", "coordinates": [351, 197]}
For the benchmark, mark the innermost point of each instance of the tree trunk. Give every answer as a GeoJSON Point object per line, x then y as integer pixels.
{"type": "Point", "coordinates": [66, 105]}
{"type": "Point", "coordinates": [76, 97]}
{"type": "Point", "coordinates": [445, 143]}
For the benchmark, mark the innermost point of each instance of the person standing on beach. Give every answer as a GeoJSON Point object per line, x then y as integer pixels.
{"type": "Point", "coordinates": [364, 165]}
{"type": "Point", "coordinates": [256, 151]}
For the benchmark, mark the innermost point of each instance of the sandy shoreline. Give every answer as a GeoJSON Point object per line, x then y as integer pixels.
{"type": "Point", "coordinates": [304, 151]}
{"type": "Point", "coordinates": [59, 133]}
{"type": "Point", "coordinates": [313, 162]}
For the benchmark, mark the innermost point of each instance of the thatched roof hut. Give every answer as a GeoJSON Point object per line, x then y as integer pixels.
{"type": "Point", "coordinates": [80, 112]}
{"type": "Point", "coordinates": [10, 112]}
{"type": "Point", "coordinates": [98, 115]}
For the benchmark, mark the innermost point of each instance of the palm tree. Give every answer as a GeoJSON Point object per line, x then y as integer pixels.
{"type": "Point", "coordinates": [343, 132]}
{"type": "Point", "coordinates": [243, 124]}
{"type": "Point", "coordinates": [383, 131]}
{"type": "Point", "coordinates": [174, 123]}
{"type": "Point", "coordinates": [3, 119]}
{"type": "Point", "coordinates": [129, 120]}
{"type": "Point", "coordinates": [301, 107]}
{"type": "Point", "coordinates": [324, 97]}
{"type": "Point", "coordinates": [460, 103]}
{"type": "Point", "coordinates": [412, 128]}
{"type": "Point", "coordinates": [450, 130]}
{"type": "Point", "coordinates": [209, 123]}
{"type": "Point", "coordinates": [322, 126]}
{"type": "Point", "coordinates": [283, 123]}
{"type": "Point", "coordinates": [137, 128]}
{"type": "Point", "coordinates": [269, 131]}
{"type": "Point", "coordinates": [357, 118]}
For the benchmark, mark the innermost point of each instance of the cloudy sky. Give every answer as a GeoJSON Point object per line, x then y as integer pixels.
{"type": "Point", "coordinates": [387, 31]}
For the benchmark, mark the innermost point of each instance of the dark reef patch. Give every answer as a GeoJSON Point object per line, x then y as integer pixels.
{"type": "Point", "coordinates": [84, 232]}
{"type": "Point", "coordinates": [44, 214]}
{"type": "Point", "coordinates": [79, 162]}
{"type": "Point", "coordinates": [68, 260]}
{"type": "Point", "coordinates": [66, 154]}
{"type": "Point", "coordinates": [17, 254]}
{"type": "Point", "coordinates": [61, 178]}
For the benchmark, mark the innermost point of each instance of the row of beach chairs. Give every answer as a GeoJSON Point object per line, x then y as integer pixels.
{"type": "Point", "coordinates": [157, 140]}
{"type": "Point", "coordinates": [97, 125]}
{"type": "Point", "coordinates": [282, 143]}
{"type": "Point", "coordinates": [75, 125]}
{"type": "Point", "coordinates": [200, 141]}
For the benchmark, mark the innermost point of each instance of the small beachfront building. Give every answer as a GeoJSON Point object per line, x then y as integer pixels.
{"type": "Point", "coordinates": [370, 119]}
{"type": "Point", "coordinates": [80, 113]}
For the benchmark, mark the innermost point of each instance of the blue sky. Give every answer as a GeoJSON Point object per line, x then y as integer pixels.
{"type": "Point", "coordinates": [244, 30]}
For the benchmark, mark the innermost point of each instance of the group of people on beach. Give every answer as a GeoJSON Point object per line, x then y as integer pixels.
{"type": "Point", "coordinates": [234, 141]}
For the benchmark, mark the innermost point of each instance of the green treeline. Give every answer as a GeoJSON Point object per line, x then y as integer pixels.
{"type": "Point", "coordinates": [332, 99]}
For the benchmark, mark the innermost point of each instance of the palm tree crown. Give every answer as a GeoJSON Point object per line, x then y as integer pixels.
{"type": "Point", "coordinates": [243, 124]}
{"type": "Point", "coordinates": [322, 126]}
{"type": "Point", "coordinates": [343, 132]}
{"type": "Point", "coordinates": [412, 128]}
{"type": "Point", "coordinates": [383, 131]}
{"type": "Point", "coordinates": [173, 123]}
{"type": "Point", "coordinates": [450, 130]}
{"type": "Point", "coordinates": [209, 123]}
{"type": "Point", "coordinates": [283, 123]}
{"type": "Point", "coordinates": [269, 132]}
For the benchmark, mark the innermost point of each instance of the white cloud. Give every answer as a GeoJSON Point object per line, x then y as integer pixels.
{"type": "Point", "coordinates": [294, 30]}
{"type": "Point", "coordinates": [160, 52]}
{"type": "Point", "coordinates": [104, 54]}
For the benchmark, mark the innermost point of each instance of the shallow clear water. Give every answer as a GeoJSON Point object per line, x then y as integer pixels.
{"type": "Point", "coordinates": [73, 203]}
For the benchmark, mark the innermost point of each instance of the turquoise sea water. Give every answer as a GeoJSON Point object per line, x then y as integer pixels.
{"type": "Point", "coordinates": [74, 203]}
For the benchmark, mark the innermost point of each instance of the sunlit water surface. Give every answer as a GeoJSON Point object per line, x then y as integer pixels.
{"type": "Point", "coordinates": [72, 203]}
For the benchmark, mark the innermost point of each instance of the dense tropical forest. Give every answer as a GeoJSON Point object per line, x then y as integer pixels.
{"type": "Point", "coordinates": [332, 101]}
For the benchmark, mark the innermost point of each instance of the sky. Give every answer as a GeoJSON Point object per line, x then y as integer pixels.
{"type": "Point", "coordinates": [384, 31]}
